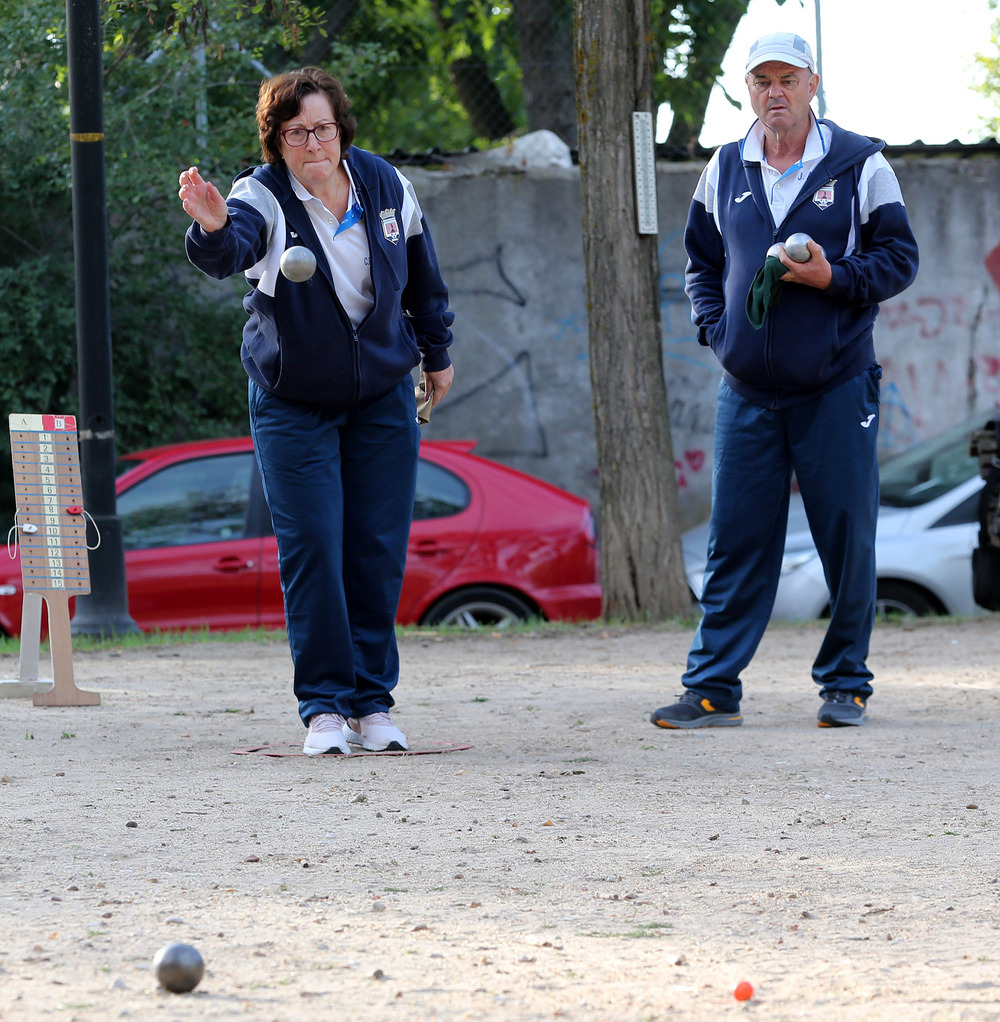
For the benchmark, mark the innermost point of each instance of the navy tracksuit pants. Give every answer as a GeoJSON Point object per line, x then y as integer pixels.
{"type": "Point", "coordinates": [340, 487]}
{"type": "Point", "coordinates": [830, 443]}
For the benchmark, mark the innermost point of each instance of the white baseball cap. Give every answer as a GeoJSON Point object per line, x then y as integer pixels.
{"type": "Point", "coordinates": [786, 47]}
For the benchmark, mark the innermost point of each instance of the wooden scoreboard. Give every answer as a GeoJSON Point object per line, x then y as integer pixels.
{"type": "Point", "coordinates": [51, 526]}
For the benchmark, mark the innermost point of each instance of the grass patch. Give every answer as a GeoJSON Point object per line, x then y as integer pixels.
{"type": "Point", "coordinates": [541, 628]}
{"type": "Point", "coordinates": [536, 627]}
{"type": "Point", "coordinates": [152, 640]}
{"type": "Point", "coordinates": [276, 636]}
{"type": "Point", "coordinates": [155, 639]}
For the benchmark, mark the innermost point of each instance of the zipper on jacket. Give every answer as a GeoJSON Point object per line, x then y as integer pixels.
{"type": "Point", "coordinates": [375, 243]}
{"type": "Point", "coordinates": [357, 364]}
{"type": "Point", "coordinates": [768, 348]}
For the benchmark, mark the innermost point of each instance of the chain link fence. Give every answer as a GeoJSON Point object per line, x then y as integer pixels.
{"type": "Point", "coordinates": [432, 76]}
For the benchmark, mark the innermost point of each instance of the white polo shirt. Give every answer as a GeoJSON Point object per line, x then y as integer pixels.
{"type": "Point", "coordinates": [782, 188]}
{"type": "Point", "coordinates": [345, 245]}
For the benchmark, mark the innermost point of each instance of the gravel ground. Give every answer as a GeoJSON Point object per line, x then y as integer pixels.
{"type": "Point", "coordinates": [573, 862]}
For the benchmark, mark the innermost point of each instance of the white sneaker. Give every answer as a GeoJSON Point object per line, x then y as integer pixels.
{"type": "Point", "coordinates": [376, 732]}
{"type": "Point", "coordinates": [326, 735]}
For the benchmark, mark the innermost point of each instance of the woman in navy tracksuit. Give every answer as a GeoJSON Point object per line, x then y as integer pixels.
{"type": "Point", "coordinates": [800, 394]}
{"type": "Point", "coordinates": [332, 408]}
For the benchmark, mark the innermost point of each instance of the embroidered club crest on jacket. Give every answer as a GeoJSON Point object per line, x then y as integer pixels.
{"type": "Point", "coordinates": [390, 229]}
{"type": "Point", "coordinates": [823, 197]}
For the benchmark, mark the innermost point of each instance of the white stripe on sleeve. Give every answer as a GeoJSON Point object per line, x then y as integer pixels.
{"type": "Point", "coordinates": [265, 271]}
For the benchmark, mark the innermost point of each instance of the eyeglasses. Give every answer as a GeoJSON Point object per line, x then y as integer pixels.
{"type": "Point", "coordinates": [789, 84]}
{"type": "Point", "coordinates": [296, 137]}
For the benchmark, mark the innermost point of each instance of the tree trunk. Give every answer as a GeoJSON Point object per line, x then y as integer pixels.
{"type": "Point", "coordinates": [642, 571]}
{"type": "Point", "coordinates": [478, 93]}
{"type": "Point", "coordinates": [545, 42]}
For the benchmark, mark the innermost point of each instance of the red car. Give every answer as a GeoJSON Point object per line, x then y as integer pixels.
{"type": "Point", "coordinates": [489, 545]}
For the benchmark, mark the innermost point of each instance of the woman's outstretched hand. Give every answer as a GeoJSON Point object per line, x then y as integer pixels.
{"type": "Point", "coordinates": [202, 201]}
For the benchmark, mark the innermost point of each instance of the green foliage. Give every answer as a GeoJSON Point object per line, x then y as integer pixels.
{"type": "Point", "coordinates": [694, 36]}
{"type": "Point", "coordinates": [38, 330]}
{"type": "Point", "coordinates": [180, 82]}
{"type": "Point", "coordinates": [402, 85]}
{"type": "Point", "coordinates": [175, 340]}
{"type": "Point", "coordinates": [989, 78]}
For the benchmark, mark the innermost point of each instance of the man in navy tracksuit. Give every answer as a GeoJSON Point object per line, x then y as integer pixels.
{"type": "Point", "coordinates": [801, 393]}
{"type": "Point", "coordinates": [332, 408]}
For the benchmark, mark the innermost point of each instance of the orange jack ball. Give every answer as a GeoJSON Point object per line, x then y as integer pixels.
{"type": "Point", "coordinates": [743, 991]}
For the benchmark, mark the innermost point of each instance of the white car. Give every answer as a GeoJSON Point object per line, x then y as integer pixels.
{"type": "Point", "coordinates": [927, 528]}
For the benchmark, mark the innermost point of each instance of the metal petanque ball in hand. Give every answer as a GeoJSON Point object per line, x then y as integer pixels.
{"type": "Point", "coordinates": [797, 247]}
{"type": "Point", "coordinates": [298, 263]}
{"type": "Point", "coordinates": [178, 967]}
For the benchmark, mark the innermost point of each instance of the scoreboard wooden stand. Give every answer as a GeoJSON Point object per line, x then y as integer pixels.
{"type": "Point", "coordinates": [51, 530]}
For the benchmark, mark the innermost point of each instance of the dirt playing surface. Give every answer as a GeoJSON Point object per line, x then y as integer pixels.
{"type": "Point", "coordinates": [574, 863]}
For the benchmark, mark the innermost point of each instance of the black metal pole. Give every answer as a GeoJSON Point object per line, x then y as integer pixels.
{"type": "Point", "coordinates": [104, 610]}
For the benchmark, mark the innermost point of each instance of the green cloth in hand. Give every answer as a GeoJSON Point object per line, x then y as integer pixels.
{"type": "Point", "coordinates": [765, 290]}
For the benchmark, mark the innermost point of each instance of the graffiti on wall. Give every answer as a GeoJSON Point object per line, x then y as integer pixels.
{"type": "Point", "coordinates": [955, 367]}
{"type": "Point", "coordinates": [691, 370]}
{"type": "Point", "coordinates": [504, 398]}
{"type": "Point", "coordinates": [522, 357]}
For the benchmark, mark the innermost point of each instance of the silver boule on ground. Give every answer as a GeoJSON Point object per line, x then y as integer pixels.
{"type": "Point", "coordinates": [573, 863]}
{"type": "Point", "coordinates": [179, 968]}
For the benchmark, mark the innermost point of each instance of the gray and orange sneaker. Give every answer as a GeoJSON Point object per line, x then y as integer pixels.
{"type": "Point", "coordinates": [842, 709]}
{"type": "Point", "coordinates": [694, 710]}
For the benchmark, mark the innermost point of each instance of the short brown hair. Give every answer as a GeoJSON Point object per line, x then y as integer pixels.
{"type": "Point", "coordinates": [280, 99]}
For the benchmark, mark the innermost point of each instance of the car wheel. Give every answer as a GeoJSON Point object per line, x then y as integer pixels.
{"type": "Point", "coordinates": [902, 600]}
{"type": "Point", "coordinates": [479, 607]}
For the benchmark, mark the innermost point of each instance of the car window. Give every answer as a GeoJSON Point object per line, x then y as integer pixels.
{"type": "Point", "coordinates": [966, 513]}
{"type": "Point", "coordinates": [930, 469]}
{"type": "Point", "coordinates": [440, 493]}
{"type": "Point", "coordinates": [199, 501]}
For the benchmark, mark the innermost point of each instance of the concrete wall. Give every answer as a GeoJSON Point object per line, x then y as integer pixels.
{"type": "Point", "coordinates": [509, 244]}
